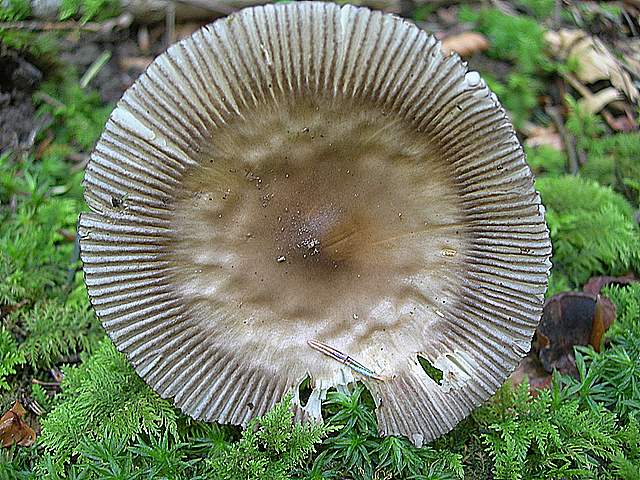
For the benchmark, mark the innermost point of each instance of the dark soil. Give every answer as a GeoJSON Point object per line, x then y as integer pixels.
{"type": "Point", "coordinates": [18, 80]}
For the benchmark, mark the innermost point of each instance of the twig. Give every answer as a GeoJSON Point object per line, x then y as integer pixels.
{"type": "Point", "coordinates": [46, 98]}
{"type": "Point", "coordinates": [7, 309]}
{"type": "Point", "coordinates": [170, 24]}
{"type": "Point", "coordinates": [57, 374]}
{"type": "Point", "coordinates": [32, 405]}
{"type": "Point", "coordinates": [45, 384]}
{"type": "Point", "coordinates": [576, 84]}
{"type": "Point", "coordinates": [567, 139]}
{"type": "Point", "coordinates": [557, 14]}
{"type": "Point", "coordinates": [51, 26]}
{"type": "Point", "coordinates": [209, 5]}
{"type": "Point", "coordinates": [123, 21]}
{"type": "Point", "coordinates": [629, 21]}
{"type": "Point", "coordinates": [95, 68]}
{"type": "Point", "coordinates": [504, 7]}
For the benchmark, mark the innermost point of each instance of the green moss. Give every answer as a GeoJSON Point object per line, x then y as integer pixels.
{"type": "Point", "coordinates": [89, 10]}
{"type": "Point", "coordinates": [518, 39]}
{"type": "Point", "coordinates": [106, 423]}
{"type": "Point", "coordinates": [36, 44]}
{"type": "Point", "coordinates": [540, 9]}
{"type": "Point", "coordinates": [422, 12]}
{"type": "Point", "coordinates": [558, 283]}
{"type": "Point", "coordinates": [270, 447]}
{"type": "Point", "coordinates": [551, 436]}
{"type": "Point", "coordinates": [570, 194]}
{"type": "Point", "coordinates": [614, 160]}
{"type": "Point", "coordinates": [610, 159]}
{"type": "Point", "coordinates": [627, 325]}
{"type": "Point", "coordinates": [116, 427]}
{"type": "Point", "coordinates": [545, 160]}
{"type": "Point", "coordinates": [57, 329]}
{"type": "Point", "coordinates": [101, 397]}
{"type": "Point", "coordinates": [611, 377]}
{"type": "Point", "coordinates": [592, 229]}
{"type": "Point", "coordinates": [583, 125]}
{"type": "Point", "coordinates": [10, 357]}
{"type": "Point", "coordinates": [15, 463]}
{"type": "Point", "coordinates": [355, 451]}
{"type": "Point", "coordinates": [80, 114]}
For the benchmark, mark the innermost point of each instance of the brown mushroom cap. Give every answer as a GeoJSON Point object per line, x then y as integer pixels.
{"type": "Point", "coordinates": [303, 182]}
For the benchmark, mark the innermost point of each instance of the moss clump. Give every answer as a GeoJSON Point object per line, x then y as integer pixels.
{"type": "Point", "coordinates": [270, 447]}
{"type": "Point", "coordinates": [553, 436]}
{"type": "Point", "coordinates": [102, 396]}
{"type": "Point", "coordinates": [109, 424]}
{"type": "Point", "coordinates": [10, 357]}
{"type": "Point", "coordinates": [540, 9]}
{"type": "Point", "coordinates": [514, 38]}
{"type": "Point", "coordinates": [592, 229]}
{"type": "Point", "coordinates": [56, 329]}
{"type": "Point", "coordinates": [519, 40]}
{"type": "Point", "coordinates": [545, 160]}
{"type": "Point", "coordinates": [614, 161]}
{"type": "Point", "coordinates": [87, 10]}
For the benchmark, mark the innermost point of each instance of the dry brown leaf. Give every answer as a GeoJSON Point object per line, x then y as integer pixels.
{"type": "Point", "coordinates": [592, 58]}
{"type": "Point", "coordinates": [184, 30]}
{"type": "Point", "coordinates": [623, 123]}
{"type": "Point", "coordinates": [570, 319]}
{"type": "Point", "coordinates": [596, 102]}
{"type": "Point", "coordinates": [465, 44]}
{"type": "Point", "coordinates": [548, 136]}
{"type": "Point", "coordinates": [595, 284]}
{"type": "Point", "coordinates": [135, 63]}
{"type": "Point", "coordinates": [13, 429]}
{"type": "Point", "coordinates": [531, 369]}
{"type": "Point", "coordinates": [603, 317]}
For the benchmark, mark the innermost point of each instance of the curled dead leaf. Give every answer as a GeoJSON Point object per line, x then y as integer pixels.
{"type": "Point", "coordinates": [531, 369]}
{"type": "Point", "coordinates": [624, 123]}
{"type": "Point", "coordinates": [539, 136]}
{"type": "Point", "coordinates": [603, 317]}
{"type": "Point", "coordinates": [465, 44]}
{"type": "Point", "coordinates": [596, 102]}
{"type": "Point", "coordinates": [595, 284]}
{"type": "Point", "coordinates": [592, 59]}
{"type": "Point", "coordinates": [13, 429]}
{"type": "Point", "coordinates": [570, 319]}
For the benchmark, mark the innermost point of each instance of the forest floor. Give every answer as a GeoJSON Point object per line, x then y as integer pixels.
{"type": "Point", "coordinates": [71, 406]}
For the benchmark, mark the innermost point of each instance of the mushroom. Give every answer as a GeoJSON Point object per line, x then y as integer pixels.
{"type": "Point", "coordinates": [306, 190]}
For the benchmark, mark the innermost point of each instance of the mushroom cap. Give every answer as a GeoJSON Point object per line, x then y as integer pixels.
{"type": "Point", "coordinates": [308, 190]}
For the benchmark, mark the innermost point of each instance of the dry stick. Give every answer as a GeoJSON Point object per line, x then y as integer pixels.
{"type": "Point", "coordinates": [557, 14]}
{"type": "Point", "coordinates": [629, 21]}
{"type": "Point", "coordinates": [48, 99]}
{"type": "Point", "coordinates": [209, 5]}
{"type": "Point", "coordinates": [51, 26]}
{"type": "Point", "coordinates": [123, 21]}
{"type": "Point", "coordinates": [94, 68]}
{"type": "Point", "coordinates": [45, 384]}
{"type": "Point", "coordinates": [576, 84]}
{"type": "Point", "coordinates": [170, 24]}
{"type": "Point", "coordinates": [567, 139]}
{"type": "Point", "coordinates": [504, 7]}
